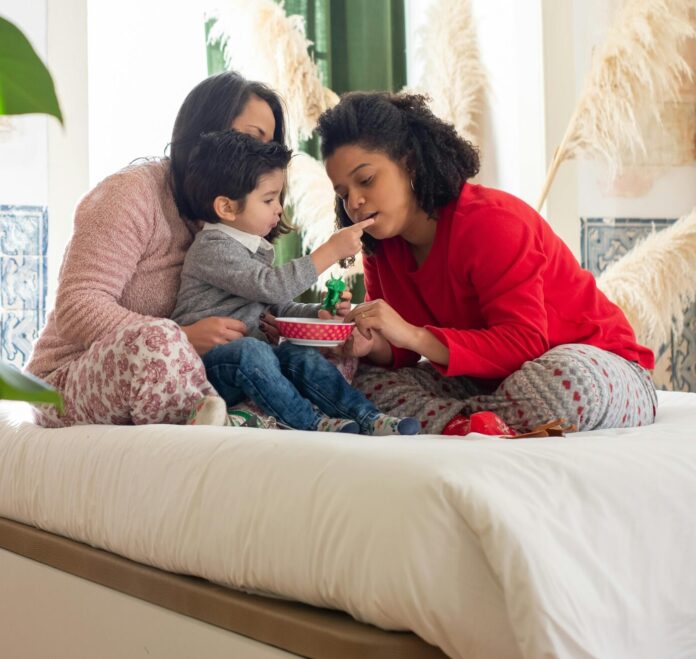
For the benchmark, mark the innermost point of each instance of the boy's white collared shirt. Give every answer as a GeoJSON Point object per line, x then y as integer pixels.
{"type": "Point", "coordinates": [249, 240]}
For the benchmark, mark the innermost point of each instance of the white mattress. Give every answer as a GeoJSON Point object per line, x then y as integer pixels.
{"type": "Point", "coordinates": [582, 546]}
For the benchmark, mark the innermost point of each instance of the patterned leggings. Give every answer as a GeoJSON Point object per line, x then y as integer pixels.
{"type": "Point", "coordinates": [146, 372]}
{"type": "Point", "coordinates": [584, 385]}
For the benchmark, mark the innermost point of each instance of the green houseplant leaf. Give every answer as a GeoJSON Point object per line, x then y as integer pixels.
{"type": "Point", "coordinates": [25, 83]}
{"type": "Point", "coordinates": [15, 385]}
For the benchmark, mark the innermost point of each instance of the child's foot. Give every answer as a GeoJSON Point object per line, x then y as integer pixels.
{"type": "Point", "coordinates": [209, 411]}
{"type": "Point", "coordinates": [327, 424]}
{"type": "Point", "coordinates": [383, 424]}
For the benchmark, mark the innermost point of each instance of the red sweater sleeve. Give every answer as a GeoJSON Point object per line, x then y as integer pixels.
{"type": "Point", "coordinates": [113, 225]}
{"type": "Point", "coordinates": [505, 264]}
{"type": "Point", "coordinates": [373, 291]}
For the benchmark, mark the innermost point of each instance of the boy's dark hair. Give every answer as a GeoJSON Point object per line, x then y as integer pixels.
{"type": "Point", "coordinates": [230, 164]}
{"type": "Point", "coordinates": [214, 104]}
{"type": "Point", "coordinates": [402, 127]}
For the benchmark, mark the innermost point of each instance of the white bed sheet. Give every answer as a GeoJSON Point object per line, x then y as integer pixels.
{"type": "Point", "coordinates": [568, 547]}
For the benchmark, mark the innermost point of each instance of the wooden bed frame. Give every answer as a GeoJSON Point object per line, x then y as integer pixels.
{"type": "Point", "coordinates": [65, 599]}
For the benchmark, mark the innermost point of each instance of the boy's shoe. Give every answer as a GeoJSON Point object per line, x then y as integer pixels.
{"type": "Point", "coordinates": [243, 418]}
{"type": "Point", "coordinates": [209, 411]}
{"type": "Point", "coordinates": [327, 424]}
{"type": "Point", "coordinates": [212, 411]}
{"type": "Point", "coordinates": [383, 425]}
{"type": "Point", "coordinates": [250, 416]}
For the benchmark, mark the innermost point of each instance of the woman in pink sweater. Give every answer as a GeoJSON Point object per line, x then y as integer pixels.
{"type": "Point", "coordinates": [108, 345]}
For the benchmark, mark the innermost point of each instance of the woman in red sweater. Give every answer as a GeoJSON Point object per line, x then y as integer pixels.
{"type": "Point", "coordinates": [473, 280]}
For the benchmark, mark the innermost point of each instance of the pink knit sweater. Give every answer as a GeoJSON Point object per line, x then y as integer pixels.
{"type": "Point", "coordinates": [122, 263]}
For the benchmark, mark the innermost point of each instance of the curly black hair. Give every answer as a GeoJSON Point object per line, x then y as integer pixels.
{"type": "Point", "coordinates": [228, 163]}
{"type": "Point", "coordinates": [401, 126]}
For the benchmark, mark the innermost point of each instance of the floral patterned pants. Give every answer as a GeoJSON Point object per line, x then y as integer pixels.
{"type": "Point", "coordinates": [588, 387]}
{"type": "Point", "coordinates": [146, 372]}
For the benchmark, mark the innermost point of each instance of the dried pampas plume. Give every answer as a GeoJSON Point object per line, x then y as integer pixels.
{"type": "Point", "coordinates": [453, 76]}
{"type": "Point", "coordinates": [656, 282]}
{"type": "Point", "coordinates": [260, 41]}
{"type": "Point", "coordinates": [638, 65]}
{"type": "Point", "coordinates": [312, 197]}
{"type": "Point", "coordinates": [281, 60]}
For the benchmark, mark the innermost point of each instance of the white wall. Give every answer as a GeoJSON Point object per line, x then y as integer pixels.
{"type": "Point", "coordinates": [537, 53]}
{"type": "Point", "coordinates": [144, 57]}
{"type": "Point", "coordinates": [41, 162]}
{"type": "Point", "coordinates": [560, 92]}
{"type": "Point", "coordinates": [121, 72]}
{"type": "Point", "coordinates": [673, 191]}
{"type": "Point", "coordinates": [511, 50]}
{"type": "Point", "coordinates": [23, 154]}
{"type": "Point", "coordinates": [68, 163]}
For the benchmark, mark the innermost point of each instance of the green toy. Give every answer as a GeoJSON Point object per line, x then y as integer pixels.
{"type": "Point", "coordinates": [336, 286]}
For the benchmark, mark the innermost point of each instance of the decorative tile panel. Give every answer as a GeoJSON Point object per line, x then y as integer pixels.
{"type": "Point", "coordinates": [23, 246]}
{"type": "Point", "coordinates": [603, 241]}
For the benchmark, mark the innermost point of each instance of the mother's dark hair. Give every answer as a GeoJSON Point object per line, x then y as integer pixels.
{"type": "Point", "coordinates": [402, 126]}
{"type": "Point", "coordinates": [211, 106]}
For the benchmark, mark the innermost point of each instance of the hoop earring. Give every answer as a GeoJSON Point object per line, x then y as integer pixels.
{"type": "Point", "coordinates": [412, 186]}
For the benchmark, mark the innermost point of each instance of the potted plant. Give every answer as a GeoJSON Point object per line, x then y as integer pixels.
{"type": "Point", "coordinates": [26, 87]}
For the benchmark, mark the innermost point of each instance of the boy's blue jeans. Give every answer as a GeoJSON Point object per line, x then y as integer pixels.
{"type": "Point", "coordinates": [282, 380]}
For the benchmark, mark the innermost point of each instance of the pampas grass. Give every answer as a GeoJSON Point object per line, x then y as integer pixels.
{"type": "Point", "coordinates": [639, 65]}
{"type": "Point", "coordinates": [453, 76]}
{"type": "Point", "coordinates": [312, 197]}
{"type": "Point", "coordinates": [280, 59]}
{"type": "Point", "coordinates": [262, 43]}
{"type": "Point", "coordinates": [656, 281]}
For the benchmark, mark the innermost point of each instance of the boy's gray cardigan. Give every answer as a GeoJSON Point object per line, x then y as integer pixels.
{"type": "Point", "coordinates": [222, 277]}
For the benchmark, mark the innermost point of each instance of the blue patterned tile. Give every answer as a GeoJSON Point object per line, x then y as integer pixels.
{"type": "Point", "coordinates": [603, 241]}
{"type": "Point", "coordinates": [682, 371]}
{"type": "Point", "coordinates": [18, 331]}
{"type": "Point", "coordinates": [23, 247]}
{"type": "Point", "coordinates": [21, 282]}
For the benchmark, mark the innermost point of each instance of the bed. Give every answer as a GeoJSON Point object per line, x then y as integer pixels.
{"type": "Point", "coordinates": [345, 546]}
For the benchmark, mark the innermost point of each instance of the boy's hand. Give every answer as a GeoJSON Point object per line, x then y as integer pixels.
{"type": "Point", "coordinates": [267, 324]}
{"type": "Point", "coordinates": [342, 308]}
{"type": "Point", "coordinates": [346, 242]}
{"type": "Point", "coordinates": [208, 333]}
{"type": "Point", "coordinates": [341, 245]}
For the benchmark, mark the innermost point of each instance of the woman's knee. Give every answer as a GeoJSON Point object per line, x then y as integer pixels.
{"type": "Point", "coordinates": [154, 355]}
{"type": "Point", "coordinates": [561, 383]}
{"type": "Point", "coordinates": [147, 337]}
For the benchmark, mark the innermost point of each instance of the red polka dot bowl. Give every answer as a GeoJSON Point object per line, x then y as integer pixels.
{"type": "Point", "coordinates": [314, 331]}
